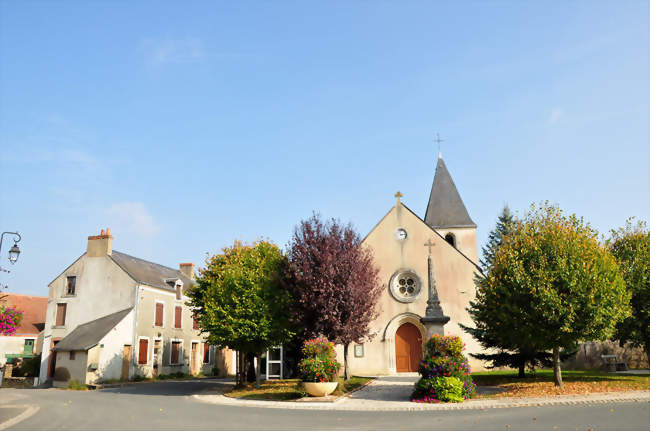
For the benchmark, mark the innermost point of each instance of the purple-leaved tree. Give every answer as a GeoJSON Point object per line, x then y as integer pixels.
{"type": "Point", "coordinates": [333, 281]}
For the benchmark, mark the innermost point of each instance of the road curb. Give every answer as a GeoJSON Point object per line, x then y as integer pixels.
{"type": "Point", "coordinates": [123, 384]}
{"type": "Point", "coordinates": [346, 404]}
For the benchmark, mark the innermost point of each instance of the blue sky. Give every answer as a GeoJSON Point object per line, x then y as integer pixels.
{"type": "Point", "coordinates": [185, 126]}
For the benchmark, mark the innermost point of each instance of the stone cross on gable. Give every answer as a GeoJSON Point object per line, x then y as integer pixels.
{"type": "Point", "coordinates": [429, 244]}
{"type": "Point", "coordinates": [398, 195]}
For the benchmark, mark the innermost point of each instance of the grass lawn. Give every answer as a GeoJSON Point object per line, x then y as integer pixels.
{"type": "Point", "coordinates": [289, 389]}
{"type": "Point", "coordinates": [575, 382]}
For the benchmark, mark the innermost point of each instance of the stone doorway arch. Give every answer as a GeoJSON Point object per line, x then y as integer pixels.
{"type": "Point", "coordinates": [389, 337]}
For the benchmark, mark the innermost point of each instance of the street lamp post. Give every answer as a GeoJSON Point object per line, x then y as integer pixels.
{"type": "Point", "coordinates": [14, 251]}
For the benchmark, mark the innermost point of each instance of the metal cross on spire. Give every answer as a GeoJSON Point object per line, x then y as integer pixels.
{"type": "Point", "coordinates": [429, 244]}
{"type": "Point", "coordinates": [438, 140]}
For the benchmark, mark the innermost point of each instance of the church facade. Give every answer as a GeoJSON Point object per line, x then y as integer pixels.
{"type": "Point", "coordinates": [401, 244]}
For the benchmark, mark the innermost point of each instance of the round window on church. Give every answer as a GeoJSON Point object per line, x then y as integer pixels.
{"type": "Point", "coordinates": [405, 285]}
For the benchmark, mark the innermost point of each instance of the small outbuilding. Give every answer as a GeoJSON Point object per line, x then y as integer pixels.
{"type": "Point", "coordinates": [94, 346]}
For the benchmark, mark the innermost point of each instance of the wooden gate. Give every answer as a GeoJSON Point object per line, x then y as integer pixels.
{"type": "Point", "coordinates": [408, 348]}
{"type": "Point", "coordinates": [126, 361]}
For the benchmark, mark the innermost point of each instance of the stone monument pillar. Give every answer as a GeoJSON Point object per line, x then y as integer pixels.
{"type": "Point", "coordinates": [434, 319]}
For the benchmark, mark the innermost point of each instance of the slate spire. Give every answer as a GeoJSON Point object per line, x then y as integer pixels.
{"type": "Point", "coordinates": [446, 209]}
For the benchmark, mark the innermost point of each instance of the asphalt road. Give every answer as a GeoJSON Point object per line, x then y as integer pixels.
{"type": "Point", "coordinates": [167, 406]}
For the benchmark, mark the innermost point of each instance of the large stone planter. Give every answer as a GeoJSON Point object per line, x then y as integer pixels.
{"type": "Point", "coordinates": [320, 389]}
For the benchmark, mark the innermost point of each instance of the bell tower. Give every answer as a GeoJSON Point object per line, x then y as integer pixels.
{"type": "Point", "coordinates": [446, 213]}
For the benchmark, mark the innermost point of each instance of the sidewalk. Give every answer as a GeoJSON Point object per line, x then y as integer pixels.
{"type": "Point", "coordinates": [392, 394]}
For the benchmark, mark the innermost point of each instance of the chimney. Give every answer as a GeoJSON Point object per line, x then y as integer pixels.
{"type": "Point", "coordinates": [100, 245]}
{"type": "Point", "coordinates": [187, 269]}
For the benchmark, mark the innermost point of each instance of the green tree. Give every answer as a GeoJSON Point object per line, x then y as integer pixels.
{"type": "Point", "coordinates": [551, 285]}
{"type": "Point", "coordinates": [239, 302]}
{"type": "Point", "coordinates": [520, 354]}
{"type": "Point", "coordinates": [631, 247]}
{"type": "Point", "coordinates": [505, 224]}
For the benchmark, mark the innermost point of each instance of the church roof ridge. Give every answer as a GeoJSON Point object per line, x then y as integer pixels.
{"type": "Point", "coordinates": [433, 229]}
{"type": "Point", "coordinates": [446, 208]}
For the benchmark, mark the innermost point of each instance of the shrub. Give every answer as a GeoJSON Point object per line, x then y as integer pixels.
{"type": "Point", "coordinates": [439, 389]}
{"type": "Point", "coordinates": [215, 371]}
{"type": "Point", "coordinates": [76, 386]}
{"type": "Point", "coordinates": [61, 374]}
{"type": "Point", "coordinates": [445, 372]}
{"type": "Point", "coordinates": [319, 362]}
{"type": "Point", "coordinates": [30, 367]}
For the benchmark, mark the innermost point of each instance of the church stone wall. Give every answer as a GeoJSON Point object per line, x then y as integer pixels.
{"type": "Point", "coordinates": [454, 276]}
{"type": "Point", "coordinates": [465, 240]}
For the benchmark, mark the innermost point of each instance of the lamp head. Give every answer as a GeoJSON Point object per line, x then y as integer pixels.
{"type": "Point", "coordinates": [14, 252]}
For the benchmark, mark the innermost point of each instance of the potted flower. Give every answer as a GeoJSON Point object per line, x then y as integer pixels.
{"type": "Point", "coordinates": [319, 368]}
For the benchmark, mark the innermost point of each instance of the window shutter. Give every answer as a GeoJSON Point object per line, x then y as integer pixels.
{"type": "Point", "coordinates": [60, 314]}
{"type": "Point", "coordinates": [175, 352]}
{"type": "Point", "coordinates": [177, 316]}
{"type": "Point", "coordinates": [143, 350]}
{"type": "Point", "coordinates": [206, 353]}
{"type": "Point", "coordinates": [195, 323]}
{"type": "Point", "coordinates": [159, 313]}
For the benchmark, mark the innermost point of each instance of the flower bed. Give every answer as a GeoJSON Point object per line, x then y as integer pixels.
{"type": "Point", "coordinates": [10, 319]}
{"type": "Point", "coordinates": [445, 372]}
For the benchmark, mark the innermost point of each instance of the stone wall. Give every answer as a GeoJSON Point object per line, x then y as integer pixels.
{"type": "Point", "coordinates": [18, 382]}
{"type": "Point", "coordinates": [588, 356]}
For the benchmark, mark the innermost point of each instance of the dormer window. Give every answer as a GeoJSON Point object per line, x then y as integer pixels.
{"type": "Point", "coordinates": [177, 285]}
{"type": "Point", "coordinates": [451, 239]}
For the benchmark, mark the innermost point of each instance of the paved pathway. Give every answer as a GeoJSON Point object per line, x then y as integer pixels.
{"type": "Point", "coordinates": [391, 393]}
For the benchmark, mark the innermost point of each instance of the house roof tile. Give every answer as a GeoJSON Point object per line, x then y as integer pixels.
{"type": "Point", "coordinates": [33, 308]}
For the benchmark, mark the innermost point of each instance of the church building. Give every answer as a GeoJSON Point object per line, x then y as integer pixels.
{"type": "Point", "coordinates": [410, 250]}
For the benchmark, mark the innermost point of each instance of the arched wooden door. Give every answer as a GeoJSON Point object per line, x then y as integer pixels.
{"type": "Point", "coordinates": [408, 348]}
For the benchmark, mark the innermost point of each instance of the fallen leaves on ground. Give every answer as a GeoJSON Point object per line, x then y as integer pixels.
{"type": "Point", "coordinates": [543, 389]}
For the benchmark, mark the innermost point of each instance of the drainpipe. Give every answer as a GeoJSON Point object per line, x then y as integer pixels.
{"type": "Point", "coordinates": [136, 307]}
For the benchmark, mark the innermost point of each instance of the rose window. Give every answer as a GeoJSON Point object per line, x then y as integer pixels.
{"type": "Point", "coordinates": [405, 286]}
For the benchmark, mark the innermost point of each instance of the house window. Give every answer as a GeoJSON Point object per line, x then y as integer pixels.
{"type": "Point", "coordinates": [178, 315]}
{"type": "Point", "coordinates": [28, 348]}
{"type": "Point", "coordinates": [451, 239]}
{"type": "Point", "coordinates": [206, 353]}
{"type": "Point", "coordinates": [160, 310]}
{"type": "Point", "coordinates": [178, 291]}
{"type": "Point", "coordinates": [358, 351]}
{"type": "Point", "coordinates": [176, 352]}
{"type": "Point", "coordinates": [70, 285]}
{"type": "Point", "coordinates": [195, 323]}
{"type": "Point", "coordinates": [143, 351]}
{"type": "Point", "coordinates": [60, 314]}
{"type": "Point", "coordinates": [72, 355]}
